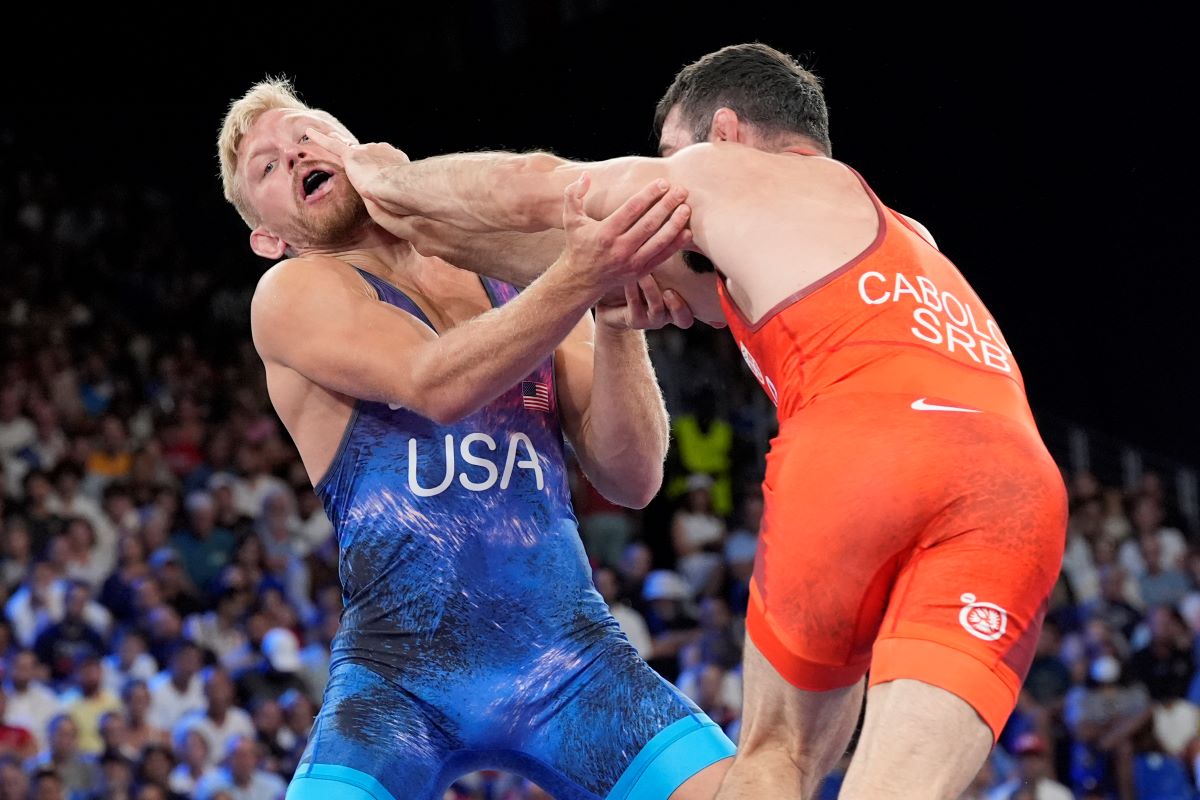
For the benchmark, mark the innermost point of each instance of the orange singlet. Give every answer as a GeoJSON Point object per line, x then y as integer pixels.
{"type": "Point", "coordinates": [914, 520]}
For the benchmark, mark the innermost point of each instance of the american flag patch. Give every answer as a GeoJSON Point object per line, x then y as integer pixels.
{"type": "Point", "coordinates": [535, 395]}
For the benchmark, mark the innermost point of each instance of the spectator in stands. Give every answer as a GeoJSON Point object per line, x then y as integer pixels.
{"type": "Point", "coordinates": [1160, 585]}
{"type": "Point", "coordinates": [50, 446]}
{"type": "Point", "coordinates": [254, 482]}
{"type": "Point", "coordinates": [15, 740]}
{"type": "Point", "coordinates": [1103, 718]}
{"type": "Point", "coordinates": [228, 515]}
{"type": "Point", "coordinates": [131, 660]}
{"type": "Point", "coordinates": [203, 546]}
{"type": "Point", "coordinates": [634, 566]}
{"type": "Point", "coordinates": [155, 769]}
{"type": "Point", "coordinates": [178, 690]}
{"type": "Point", "coordinates": [87, 702]}
{"type": "Point", "coordinates": [1113, 606]}
{"type": "Point", "coordinates": [113, 457]}
{"type": "Point", "coordinates": [631, 622]}
{"type": "Point", "coordinates": [30, 704]}
{"type": "Point", "coordinates": [114, 733]}
{"type": "Point", "coordinates": [14, 782]}
{"type": "Point", "coordinates": [277, 742]}
{"type": "Point", "coordinates": [242, 776]}
{"type": "Point", "coordinates": [719, 642]}
{"type": "Point", "coordinates": [47, 784]}
{"type": "Point", "coordinates": [1049, 680]}
{"type": "Point", "coordinates": [250, 557]}
{"type": "Point", "coordinates": [221, 721]}
{"type": "Point", "coordinates": [40, 519]}
{"type": "Point", "coordinates": [703, 444]}
{"type": "Point", "coordinates": [671, 624]}
{"type": "Point", "coordinates": [314, 529]}
{"type": "Point", "coordinates": [299, 714]}
{"type": "Point", "coordinates": [220, 631]}
{"type": "Point", "coordinates": [250, 655]}
{"type": "Point", "coordinates": [17, 432]}
{"type": "Point", "coordinates": [279, 672]}
{"type": "Point", "coordinates": [79, 774]}
{"type": "Point", "coordinates": [1147, 517]}
{"type": "Point", "coordinates": [194, 757]}
{"type": "Point", "coordinates": [165, 632]}
{"type": "Point", "coordinates": [1085, 529]}
{"type": "Point", "coordinates": [117, 783]}
{"type": "Point", "coordinates": [183, 438]}
{"type": "Point", "coordinates": [1165, 667]}
{"type": "Point", "coordinates": [16, 554]}
{"type": "Point", "coordinates": [174, 583]}
{"type": "Point", "coordinates": [8, 646]}
{"type": "Point", "coordinates": [64, 645]}
{"type": "Point", "coordinates": [119, 509]}
{"type": "Point", "coordinates": [316, 656]}
{"type": "Point", "coordinates": [697, 534]}
{"type": "Point", "coordinates": [1032, 774]}
{"type": "Point", "coordinates": [740, 551]}
{"type": "Point", "coordinates": [1116, 521]}
{"type": "Point", "coordinates": [69, 502]}
{"type": "Point", "coordinates": [141, 732]}
{"type": "Point", "coordinates": [84, 561]}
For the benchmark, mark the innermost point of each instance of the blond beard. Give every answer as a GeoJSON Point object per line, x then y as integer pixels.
{"type": "Point", "coordinates": [338, 224]}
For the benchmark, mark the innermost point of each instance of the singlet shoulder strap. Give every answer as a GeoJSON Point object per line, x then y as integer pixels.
{"type": "Point", "coordinates": [498, 292]}
{"type": "Point", "coordinates": [387, 293]}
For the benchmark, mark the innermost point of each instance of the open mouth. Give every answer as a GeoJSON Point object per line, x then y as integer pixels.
{"type": "Point", "coordinates": [314, 181]}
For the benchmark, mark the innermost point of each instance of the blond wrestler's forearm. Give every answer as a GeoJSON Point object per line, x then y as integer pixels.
{"type": "Point", "coordinates": [623, 441]}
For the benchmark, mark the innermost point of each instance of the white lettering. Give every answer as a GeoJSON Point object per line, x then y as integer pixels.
{"type": "Point", "coordinates": [904, 287]}
{"type": "Point", "coordinates": [997, 336]}
{"type": "Point", "coordinates": [928, 320]}
{"type": "Point", "coordinates": [946, 298]}
{"type": "Point", "coordinates": [940, 318]}
{"type": "Point", "coordinates": [974, 327]}
{"type": "Point", "coordinates": [772, 392]}
{"type": "Point", "coordinates": [929, 292]}
{"type": "Point", "coordinates": [968, 341]}
{"type": "Point", "coordinates": [862, 288]}
{"type": "Point", "coordinates": [476, 461]}
{"type": "Point", "coordinates": [751, 363]}
{"type": "Point", "coordinates": [415, 487]}
{"type": "Point", "coordinates": [528, 463]}
{"type": "Point", "coordinates": [995, 357]}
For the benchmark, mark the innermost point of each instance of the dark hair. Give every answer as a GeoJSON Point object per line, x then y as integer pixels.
{"type": "Point", "coordinates": [766, 88]}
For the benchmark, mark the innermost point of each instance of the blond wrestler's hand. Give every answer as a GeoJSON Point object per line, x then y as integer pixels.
{"type": "Point", "coordinates": [624, 246]}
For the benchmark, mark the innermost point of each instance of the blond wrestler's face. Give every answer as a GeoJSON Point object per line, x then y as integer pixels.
{"type": "Point", "coordinates": [298, 190]}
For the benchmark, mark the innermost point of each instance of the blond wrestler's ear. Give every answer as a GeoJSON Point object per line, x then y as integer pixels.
{"type": "Point", "coordinates": [267, 244]}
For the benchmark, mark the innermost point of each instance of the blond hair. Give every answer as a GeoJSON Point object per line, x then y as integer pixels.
{"type": "Point", "coordinates": [264, 96]}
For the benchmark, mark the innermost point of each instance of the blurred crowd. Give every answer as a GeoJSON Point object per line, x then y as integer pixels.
{"type": "Point", "coordinates": [169, 578]}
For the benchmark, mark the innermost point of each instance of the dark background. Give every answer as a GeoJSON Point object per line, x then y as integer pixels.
{"type": "Point", "coordinates": [1052, 157]}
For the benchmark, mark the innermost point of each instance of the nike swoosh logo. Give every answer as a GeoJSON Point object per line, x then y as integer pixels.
{"type": "Point", "coordinates": [921, 405]}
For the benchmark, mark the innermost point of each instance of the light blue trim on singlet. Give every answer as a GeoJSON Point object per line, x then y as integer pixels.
{"type": "Point", "coordinates": [676, 753]}
{"type": "Point", "coordinates": [332, 782]}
